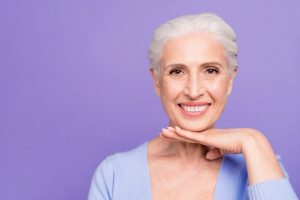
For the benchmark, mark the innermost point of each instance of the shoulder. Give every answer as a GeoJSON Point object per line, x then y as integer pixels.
{"type": "Point", "coordinates": [123, 159]}
{"type": "Point", "coordinates": [116, 170]}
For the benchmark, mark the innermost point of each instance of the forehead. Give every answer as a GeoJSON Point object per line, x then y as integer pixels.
{"type": "Point", "coordinates": [193, 49]}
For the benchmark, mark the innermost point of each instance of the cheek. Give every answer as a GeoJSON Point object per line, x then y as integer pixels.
{"type": "Point", "coordinates": [170, 89]}
{"type": "Point", "coordinates": [218, 90]}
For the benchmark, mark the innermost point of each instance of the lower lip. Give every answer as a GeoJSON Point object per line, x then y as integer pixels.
{"type": "Point", "coordinates": [193, 114]}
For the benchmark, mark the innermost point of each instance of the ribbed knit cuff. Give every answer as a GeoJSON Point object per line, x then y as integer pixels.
{"type": "Point", "coordinates": [276, 189]}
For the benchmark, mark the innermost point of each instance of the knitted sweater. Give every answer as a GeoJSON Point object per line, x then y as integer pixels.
{"type": "Point", "coordinates": [125, 176]}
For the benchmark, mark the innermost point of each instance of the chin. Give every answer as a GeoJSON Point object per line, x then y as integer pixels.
{"type": "Point", "coordinates": [195, 126]}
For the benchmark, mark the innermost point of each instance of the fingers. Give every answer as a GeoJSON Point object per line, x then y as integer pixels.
{"type": "Point", "coordinates": [170, 134]}
{"type": "Point", "coordinates": [200, 137]}
{"type": "Point", "coordinates": [210, 137]}
{"type": "Point", "coordinates": [222, 141]}
{"type": "Point", "coordinates": [220, 138]}
{"type": "Point", "coordinates": [166, 137]}
{"type": "Point", "coordinates": [177, 134]}
{"type": "Point", "coordinates": [182, 135]}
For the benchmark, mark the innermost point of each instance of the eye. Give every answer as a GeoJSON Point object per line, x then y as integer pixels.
{"type": "Point", "coordinates": [212, 71]}
{"type": "Point", "coordinates": [176, 72]}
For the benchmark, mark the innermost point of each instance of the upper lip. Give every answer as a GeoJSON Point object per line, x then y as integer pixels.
{"type": "Point", "coordinates": [194, 103]}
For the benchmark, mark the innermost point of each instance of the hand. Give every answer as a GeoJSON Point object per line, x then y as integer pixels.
{"type": "Point", "coordinates": [259, 156]}
{"type": "Point", "coordinates": [221, 141]}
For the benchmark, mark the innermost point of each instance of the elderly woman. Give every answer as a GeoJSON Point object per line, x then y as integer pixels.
{"type": "Point", "coordinates": [193, 65]}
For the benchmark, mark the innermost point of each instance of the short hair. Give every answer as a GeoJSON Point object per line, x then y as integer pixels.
{"type": "Point", "coordinates": [202, 23]}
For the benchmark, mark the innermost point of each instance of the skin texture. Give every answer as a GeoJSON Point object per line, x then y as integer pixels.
{"type": "Point", "coordinates": [185, 159]}
{"type": "Point", "coordinates": [196, 57]}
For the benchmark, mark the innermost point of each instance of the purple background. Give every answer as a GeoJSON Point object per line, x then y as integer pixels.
{"type": "Point", "coordinates": [75, 86]}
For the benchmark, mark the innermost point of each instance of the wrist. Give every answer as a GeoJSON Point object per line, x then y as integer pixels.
{"type": "Point", "coordinates": [253, 140]}
{"type": "Point", "coordinates": [260, 159]}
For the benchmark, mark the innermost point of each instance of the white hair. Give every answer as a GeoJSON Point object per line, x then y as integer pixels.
{"type": "Point", "coordinates": [203, 23]}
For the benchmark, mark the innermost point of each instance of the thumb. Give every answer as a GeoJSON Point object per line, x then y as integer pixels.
{"type": "Point", "coordinates": [213, 154]}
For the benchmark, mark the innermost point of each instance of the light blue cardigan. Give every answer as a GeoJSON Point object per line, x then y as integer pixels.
{"type": "Point", "coordinates": [124, 176]}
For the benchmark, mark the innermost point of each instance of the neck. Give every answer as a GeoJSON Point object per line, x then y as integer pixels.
{"type": "Point", "coordinates": [188, 150]}
{"type": "Point", "coordinates": [179, 149]}
{"type": "Point", "coordinates": [184, 151]}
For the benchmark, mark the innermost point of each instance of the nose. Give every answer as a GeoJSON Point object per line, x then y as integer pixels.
{"type": "Point", "coordinates": [194, 87]}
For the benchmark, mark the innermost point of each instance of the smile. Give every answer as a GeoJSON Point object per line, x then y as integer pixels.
{"type": "Point", "coordinates": [193, 109]}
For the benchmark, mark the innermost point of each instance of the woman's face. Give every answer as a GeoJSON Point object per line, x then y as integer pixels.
{"type": "Point", "coordinates": [193, 81]}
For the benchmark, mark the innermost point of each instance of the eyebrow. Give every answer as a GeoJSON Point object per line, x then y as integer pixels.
{"type": "Point", "coordinates": [202, 65]}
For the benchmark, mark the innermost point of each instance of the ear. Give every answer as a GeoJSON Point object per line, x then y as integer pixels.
{"type": "Point", "coordinates": [155, 80]}
{"type": "Point", "coordinates": [231, 79]}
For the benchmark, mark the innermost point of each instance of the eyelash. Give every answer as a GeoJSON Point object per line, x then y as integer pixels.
{"type": "Point", "coordinates": [214, 69]}
{"type": "Point", "coordinates": [177, 71]}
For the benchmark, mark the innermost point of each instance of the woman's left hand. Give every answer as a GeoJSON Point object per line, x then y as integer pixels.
{"type": "Point", "coordinates": [260, 159]}
{"type": "Point", "coordinates": [222, 141]}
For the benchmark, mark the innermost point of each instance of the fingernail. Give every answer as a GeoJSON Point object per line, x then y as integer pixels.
{"type": "Point", "coordinates": [177, 128]}
{"type": "Point", "coordinates": [170, 128]}
{"type": "Point", "coordinates": [164, 130]}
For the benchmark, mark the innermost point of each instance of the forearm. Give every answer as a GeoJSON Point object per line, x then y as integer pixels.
{"type": "Point", "coordinates": [260, 160]}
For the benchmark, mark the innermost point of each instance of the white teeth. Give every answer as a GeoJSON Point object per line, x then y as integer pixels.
{"type": "Point", "coordinates": [194, 108]}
